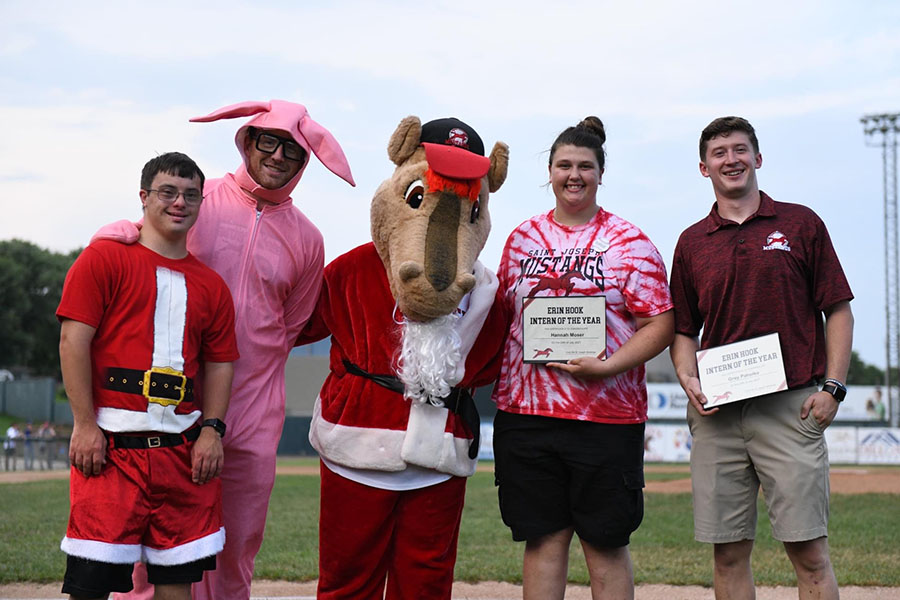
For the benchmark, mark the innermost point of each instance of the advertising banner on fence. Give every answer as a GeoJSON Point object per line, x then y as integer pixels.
{"type": "Point", "coordinates": [878, 446]}
{"type": "Point", "coordinates": [863, 403]}
{"type": "Point", "coordinates": [666, 401]}
{"type": "Point", "coordinates": [667, 443]}
{"type": "Point", "coordinates": [841, 444]}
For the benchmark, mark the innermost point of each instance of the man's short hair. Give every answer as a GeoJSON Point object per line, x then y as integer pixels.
{"type": "Point", "coordinates": [172, 163]}
{"type": "Point", "coordinates": [725, 126]}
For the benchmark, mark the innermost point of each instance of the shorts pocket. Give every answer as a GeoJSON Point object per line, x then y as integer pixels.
{"type": "Point", "coordinates": [613, 511]}
{"type": "Point", "coordinates": [809, 427]}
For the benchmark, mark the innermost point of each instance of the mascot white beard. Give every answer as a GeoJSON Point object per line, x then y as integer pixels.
{"type": "Point", "coordinates": [429, 358]}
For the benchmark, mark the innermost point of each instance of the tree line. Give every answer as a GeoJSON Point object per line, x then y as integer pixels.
{"type": "Point", "coordinates": [31, 280]}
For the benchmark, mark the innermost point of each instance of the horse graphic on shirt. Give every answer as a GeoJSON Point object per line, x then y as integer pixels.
{"type": "Point", "coordinates": [566, 282]}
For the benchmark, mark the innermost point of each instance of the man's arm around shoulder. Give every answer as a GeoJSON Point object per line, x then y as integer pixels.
{"type": "Point", "coordinates": [207, 456]}
{"type": "Point", "coordinates": [87, 449]}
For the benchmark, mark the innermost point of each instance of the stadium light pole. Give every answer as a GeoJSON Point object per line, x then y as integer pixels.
{"type": "Point", "coordinates": [882, 130]}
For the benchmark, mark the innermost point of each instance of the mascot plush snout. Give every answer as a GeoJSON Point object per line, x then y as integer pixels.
{"type": "Point", "coordinates": [430, 219]}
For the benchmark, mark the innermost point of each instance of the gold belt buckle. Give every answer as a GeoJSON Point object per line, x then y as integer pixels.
{"type": "Point", "coordinates": [154, 442]}
{"type": "Point", "coordinates": [164, 371]}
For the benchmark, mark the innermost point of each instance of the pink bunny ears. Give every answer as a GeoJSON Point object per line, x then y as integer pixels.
{"type": "Point", "coordinates": [293, 118]}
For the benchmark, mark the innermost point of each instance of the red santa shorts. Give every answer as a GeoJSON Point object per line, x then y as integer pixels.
{"type": "Point", "coordinates": [144, 506]}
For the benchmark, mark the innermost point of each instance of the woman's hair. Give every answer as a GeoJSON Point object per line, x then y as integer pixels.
{"type": "Point", "coordinates": [589, 133]}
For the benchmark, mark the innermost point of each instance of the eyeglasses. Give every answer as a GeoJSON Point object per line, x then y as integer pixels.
{"type": "Point", "coordinates": [170, 194]}
{"type": "Point", "coordinates": [268, 143]}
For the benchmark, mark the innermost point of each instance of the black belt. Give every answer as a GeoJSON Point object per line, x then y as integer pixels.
{"type": "Point", "coordinates": [812, 383]}
{"type": "Point", "coordinates": [162, 440]}
{"type": "Point", "coordinates": [160, 385]}
{"type": "Point", "coordinates": [459, 402]}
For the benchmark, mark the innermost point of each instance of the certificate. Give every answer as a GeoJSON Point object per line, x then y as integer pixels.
{"type": "Point", "coordinates": [557, 329]}
{"type": "Point", "coordinates": [741, 370]}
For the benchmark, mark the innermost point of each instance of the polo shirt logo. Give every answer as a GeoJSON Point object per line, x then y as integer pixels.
{"type": "Point", "coordinates": [777, 241]}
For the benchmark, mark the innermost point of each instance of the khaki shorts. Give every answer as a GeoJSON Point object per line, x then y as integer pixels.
{"type": "Point", "coordinates": [759, 441]}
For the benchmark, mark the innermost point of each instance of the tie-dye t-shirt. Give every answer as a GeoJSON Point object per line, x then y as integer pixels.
{"type": "Point", "coordinates": [607, 256]}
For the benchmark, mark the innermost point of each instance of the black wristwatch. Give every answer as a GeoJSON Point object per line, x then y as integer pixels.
{"type": "Point", "coordinates": [835, 388]}
{"type": "Point", "coordinates": [217, 424]}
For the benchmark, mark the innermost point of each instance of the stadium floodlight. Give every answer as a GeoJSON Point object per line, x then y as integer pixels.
{"type": "Point", "coordinates": [884, 126]}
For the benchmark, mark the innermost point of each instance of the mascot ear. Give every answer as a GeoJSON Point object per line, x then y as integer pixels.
{"type": "Point", "coordinates": [405, 140]}
{"type": "Point", "coordinates": [499, 164]}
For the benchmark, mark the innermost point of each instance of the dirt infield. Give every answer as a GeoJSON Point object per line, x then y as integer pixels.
{"type": "Point", "coordinates": [844, 480]}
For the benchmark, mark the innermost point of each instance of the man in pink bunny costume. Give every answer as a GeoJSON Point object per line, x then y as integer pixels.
{"type": "Point", "coordinates": [271, 256]}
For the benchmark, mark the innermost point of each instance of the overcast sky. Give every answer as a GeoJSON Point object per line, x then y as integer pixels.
{"type": "Point", "coordinates": [89, 91]}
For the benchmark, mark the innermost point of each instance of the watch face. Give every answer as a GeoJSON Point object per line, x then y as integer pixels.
{"type": "Point", "coordinates": [216, 424]}
{"type": "Point", "coordinates": [835, 391]}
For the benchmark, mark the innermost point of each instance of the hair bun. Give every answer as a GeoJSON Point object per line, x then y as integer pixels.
{"type": "Point", "coordinates": [595, 126]}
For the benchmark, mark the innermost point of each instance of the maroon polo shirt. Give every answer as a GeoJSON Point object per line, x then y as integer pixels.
{"type": "Point", "coordinates": [775, 272]}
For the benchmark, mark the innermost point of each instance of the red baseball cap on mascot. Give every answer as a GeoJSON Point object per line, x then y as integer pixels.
{"type": "Point", "coordinates": [453, 149]}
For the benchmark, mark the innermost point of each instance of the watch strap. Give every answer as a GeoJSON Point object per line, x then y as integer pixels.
{"type": "Point", "coordinates": [836, 388]}
{"type": "Point", "coordinates": [217, 424]}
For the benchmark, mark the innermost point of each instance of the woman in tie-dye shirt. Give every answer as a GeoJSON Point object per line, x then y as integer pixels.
{"type": "Point", "coordinates": [568, 437]}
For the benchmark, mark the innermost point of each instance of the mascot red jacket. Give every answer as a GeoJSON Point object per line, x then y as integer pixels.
{"type": "Point", "coordinates": [414, 329]}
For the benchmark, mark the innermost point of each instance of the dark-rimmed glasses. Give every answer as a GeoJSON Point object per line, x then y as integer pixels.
{"type": "Point", "coordinates": [268, 143]}
{"type": "Point", "coordinates": [170, 194]}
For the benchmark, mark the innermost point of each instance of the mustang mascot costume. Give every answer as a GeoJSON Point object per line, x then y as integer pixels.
{"type": "Point", "coordinates": [414, 329]}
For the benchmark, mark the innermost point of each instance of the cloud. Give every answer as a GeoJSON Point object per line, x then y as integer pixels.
{"type": "Point", "coordinates": [66, 169]}
{"type": "Point", "coordinates": [22, 177]}
{"type": "Point", "coordinates": [15, 44]}
{"type": "Point", "coordinates": [528, 58]}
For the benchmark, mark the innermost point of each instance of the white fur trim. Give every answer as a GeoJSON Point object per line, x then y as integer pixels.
{"type": "Point", "coordinates": [356, 447]}
{"type": "Point", "coordinates": [469, 326]}
{"type": "Point", "coordinates": [428, 445]}
{"type": "Point", "coordinates": [118, 554]}
{"type": "Point", "coordinates": [123, 554]}
{"type": "Point", "coordinates": [169, 319]}
{"type": "Point", "coordinates": [425, 443]}
{"type": "Point", "coordinates": [155, 418]}
{"type": "Point", "coordinates": [412, 477]}
{"type": "Point", "coordinates": [209, 545]}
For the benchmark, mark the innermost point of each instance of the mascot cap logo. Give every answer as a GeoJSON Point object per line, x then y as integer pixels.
{"type": "Point", "coordinates": [453, 149]}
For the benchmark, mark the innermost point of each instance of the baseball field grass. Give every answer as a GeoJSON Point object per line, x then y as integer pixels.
{"type": "Point", "coordinates": [863, 537]}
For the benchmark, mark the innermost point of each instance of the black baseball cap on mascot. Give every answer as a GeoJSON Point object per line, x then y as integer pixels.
{"type": "Point", "coordinates": [453, 149]}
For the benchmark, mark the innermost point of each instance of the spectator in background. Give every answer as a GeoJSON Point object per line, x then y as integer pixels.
{"type": "Point", "coordinates": [46, 445]}
{"type": "Point", "coordinates": [870, 409]}
{"type": "Point", "coordinates": [878, 406]}
{"type": "Point", "coordinates": [28, 434]}
{"type": "Point", "coordinates": [9, 446]}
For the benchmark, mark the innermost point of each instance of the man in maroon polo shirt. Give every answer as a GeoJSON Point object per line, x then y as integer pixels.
{"type": "Point", "coordinates": [752, 267]}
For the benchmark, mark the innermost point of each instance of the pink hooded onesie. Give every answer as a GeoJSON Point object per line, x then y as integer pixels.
{"type": "Point", "coordinates": [272, 261]}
